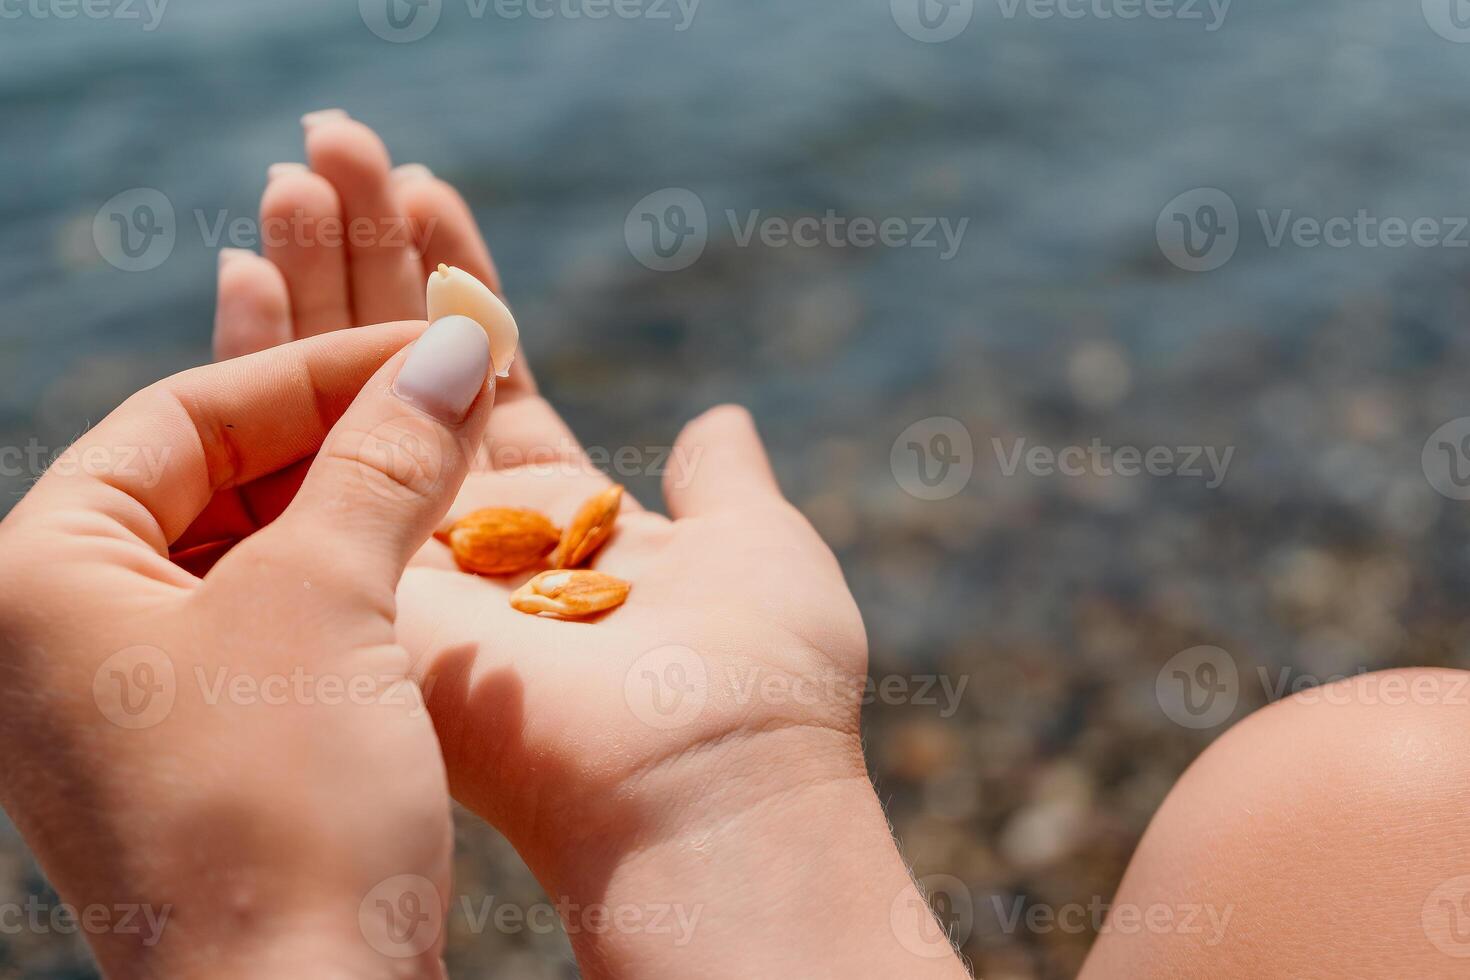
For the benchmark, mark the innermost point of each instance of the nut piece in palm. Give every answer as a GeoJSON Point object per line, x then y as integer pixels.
{"type": "Point", "coordinates": [500, 540]}
{"type": "Point", "coordinates": [570, 593]}
{"type": "Point", "coordinates": [589, 530]}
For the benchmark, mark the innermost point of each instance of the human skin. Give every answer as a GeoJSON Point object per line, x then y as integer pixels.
{"type": "Point", "coordinates": [1323, 837]}
{"type": "Point", "coordinates": [206, 748]}
{"type": "Point", "coordinates": [1339, 858]}
{"type": "Point", "coordinates": [698, 748]}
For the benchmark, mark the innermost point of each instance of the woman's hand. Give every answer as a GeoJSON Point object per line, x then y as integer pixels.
{"type": "Point", "coordinates": [692, 759]}
{"type": "Point", "coordinates": [705, 732]}
{"type": "Point", "coordinates": [243, 756]}
{"type": "Point", "coordinates": [348, 240]}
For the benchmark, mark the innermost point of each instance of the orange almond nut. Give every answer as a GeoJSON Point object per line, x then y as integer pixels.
{"type": "Point", "coordinates": [570, 593]}
{"type": "Point", "coordinates": [501, 540]}
{"type": "Point", "coordinates": [589, 530]}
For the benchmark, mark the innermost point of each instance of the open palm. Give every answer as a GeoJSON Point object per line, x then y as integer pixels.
{"type": "Point", "coordinates": [739, 627]}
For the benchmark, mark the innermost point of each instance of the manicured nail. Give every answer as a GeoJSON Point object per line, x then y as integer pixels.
{"type": "Point", "coordinates": [322, 115]}
{"type": "Point", "coordinates": [228, 255]}
{"type": "Point", "coordinates": [411, 171]}
{"type": "Point", "coordinates": [446, 369]}
{"type": "Point", "coordinates": [282, 169]}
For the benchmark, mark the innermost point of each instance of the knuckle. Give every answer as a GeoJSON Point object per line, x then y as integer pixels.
{"type": "Point", "coordinates": [401, 459]}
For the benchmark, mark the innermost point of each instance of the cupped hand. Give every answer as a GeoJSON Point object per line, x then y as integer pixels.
{"type": "Point", "coordinates": [243, 755]}
{"type": "Point", "coordinates": [735, 595]}
{"type": "Point", "coordinates": [724, 695]}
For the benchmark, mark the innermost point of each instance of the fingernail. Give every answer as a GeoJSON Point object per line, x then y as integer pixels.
{"type": "Point", "coordinates": [446, 369]}
{"type": "Point", "coordinates": [411, 171]}
{"type": "Point", "coordinates": [228, 255]}
{"type": "Point", "coordinates": [322, 115]}
{"type": "Point", "coordinates": [282, 169]}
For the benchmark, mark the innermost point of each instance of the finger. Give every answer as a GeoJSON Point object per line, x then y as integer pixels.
{"type": "Point", "coordinates": [302, 233]}
{"type": "Point", "coordinates": [384, 273]}
{"type": "Point", "coordinates": [719, 464]}
{"type": "Point", "coordinates": [156, 462]}
{"type": "Point", "coordinates": [445, 231]}
{"type": "Point", "coordinates": [392, 464]}
{"type": "Point", "coordinates": [252, 309]}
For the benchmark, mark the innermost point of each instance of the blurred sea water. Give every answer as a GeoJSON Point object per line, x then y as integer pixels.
{"type": "Point", "coordinates": [1059, 322]}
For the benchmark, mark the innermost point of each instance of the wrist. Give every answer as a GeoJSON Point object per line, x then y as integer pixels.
{"type": "Point", "coordinates": [779, 861]}
{"type": "Point", "coordinates": [320, 950]}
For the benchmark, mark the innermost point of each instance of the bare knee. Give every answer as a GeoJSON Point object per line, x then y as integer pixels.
{"type": "Point", "coordinates": [1318, 836]}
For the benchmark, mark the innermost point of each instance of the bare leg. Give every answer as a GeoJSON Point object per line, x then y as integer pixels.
{"type": "Point", "coordinates": [1325, 836]}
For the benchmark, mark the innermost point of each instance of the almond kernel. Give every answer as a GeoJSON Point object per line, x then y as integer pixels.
{"type": "Point", "coordinates": [501, 540]}
{"type": "Point", "coordinates": [589, 530]}
{"type": "Point", "coordinates": [570, 593]}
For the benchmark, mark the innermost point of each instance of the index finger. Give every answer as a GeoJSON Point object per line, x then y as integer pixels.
{"type": "Point", "coordinates": [155, 463]}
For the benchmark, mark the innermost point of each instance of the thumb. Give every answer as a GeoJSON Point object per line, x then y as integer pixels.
{"type": "Point", "coordinates": [391, 466]}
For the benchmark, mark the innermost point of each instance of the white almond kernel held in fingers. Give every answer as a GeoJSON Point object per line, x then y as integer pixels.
{"type": "Point", "coordinates": [454, 292]}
